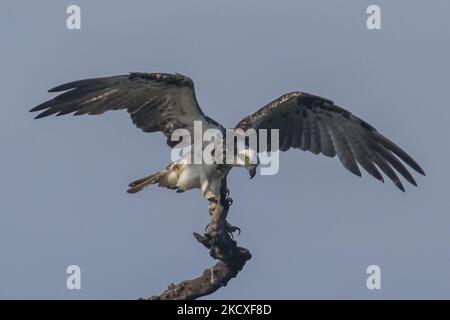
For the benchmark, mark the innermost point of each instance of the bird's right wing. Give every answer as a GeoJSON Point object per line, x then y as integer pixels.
{"type": "Point", "coordinates": [155, 101]}
{"type": "Point", "coordinates": [312, 123]}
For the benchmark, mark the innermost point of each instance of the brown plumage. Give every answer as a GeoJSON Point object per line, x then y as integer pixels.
{"type": "Point", "coordinates": [165, 102]}
{"type": "Point", "coordinates": [315, 124]}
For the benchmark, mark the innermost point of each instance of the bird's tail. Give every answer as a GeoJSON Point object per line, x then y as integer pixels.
{"type": "Point", "coordinates": [140, 184]}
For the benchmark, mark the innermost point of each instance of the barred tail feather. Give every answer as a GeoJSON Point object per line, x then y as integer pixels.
{"type": "Point", "coordinates": [140, 184]}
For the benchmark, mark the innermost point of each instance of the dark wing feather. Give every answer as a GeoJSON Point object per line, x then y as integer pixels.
{"type": "Point", "coordinates": [155, 101]}
{"type": "Point", "coordinates": [316, 124]}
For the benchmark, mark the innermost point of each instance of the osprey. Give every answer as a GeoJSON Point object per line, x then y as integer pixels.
{"type": "Point", "coordinates": [166, 102]}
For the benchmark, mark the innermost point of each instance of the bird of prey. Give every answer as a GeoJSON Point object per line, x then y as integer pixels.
{"type": "Point", "coordinates": [165, 102]}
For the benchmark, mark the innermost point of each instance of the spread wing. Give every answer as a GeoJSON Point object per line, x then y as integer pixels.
{"type": "Point", "coordinates": [155, 101]}
{"type": "Point", "coordinates": [315, 124]}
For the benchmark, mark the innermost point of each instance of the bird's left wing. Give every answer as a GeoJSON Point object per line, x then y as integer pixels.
{"type": "Point", "coordinates": [155, 101]}
{"type": "Point", "coordinates": [315, 124]}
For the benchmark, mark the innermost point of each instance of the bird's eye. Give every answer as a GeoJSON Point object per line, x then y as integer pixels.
{"type": "Point", "coordinates": [247, 160]}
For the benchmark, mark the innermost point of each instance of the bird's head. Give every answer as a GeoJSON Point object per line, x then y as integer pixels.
{"type": "Point", "coordinates": [248, 159]}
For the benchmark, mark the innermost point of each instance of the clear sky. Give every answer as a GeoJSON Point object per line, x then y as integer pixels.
{"type": "Point", "coordinates": [313, 228]}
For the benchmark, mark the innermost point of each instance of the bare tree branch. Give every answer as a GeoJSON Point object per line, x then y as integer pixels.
{"type": "Point", "coordinates": [218, 239]}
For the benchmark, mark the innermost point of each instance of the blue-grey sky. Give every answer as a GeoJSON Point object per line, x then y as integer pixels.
{"type": "Point", "coordinates": [312, 229]}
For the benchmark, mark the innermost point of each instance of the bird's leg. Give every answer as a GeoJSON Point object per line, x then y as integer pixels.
{"type": "Point", "coordinates": [214, 199]}
{"type": "Point", "coordinates": [223, 199]}
{"type": "Point", "coordinates": [227, 201]}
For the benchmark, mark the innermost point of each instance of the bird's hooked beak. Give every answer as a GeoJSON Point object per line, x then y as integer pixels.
{"type": "Point", "coordinates": [252, 171]}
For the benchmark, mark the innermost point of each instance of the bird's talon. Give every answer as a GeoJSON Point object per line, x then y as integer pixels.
{"type": "Point", "coordinates": [227, 202]}
{"type": "Point", "coordinates": [232, 229]}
